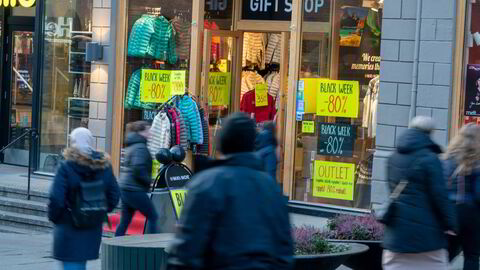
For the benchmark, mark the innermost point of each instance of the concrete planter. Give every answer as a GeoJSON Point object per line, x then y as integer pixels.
{"type": "Point", "coordinates": [330, 261]}
{"type": "Point", "coordinates": [370, 260]}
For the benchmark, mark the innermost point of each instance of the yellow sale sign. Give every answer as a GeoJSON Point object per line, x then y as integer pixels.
{"type": "Point", "coordinates": [261, 95]}
{"type": "Point", "coordinates": [334, 180]}
{"type": "Point", "coordinates": [219, 88]}
{"type": "Point", "coordinates": [308, 127]}
{"type": "Point", "coordinates": [337, 98]}
{"type": "Point", "coordinates": [178, 199]}
{"type": "Point", "coordinates": [178, 82]}
{"type": "Point", "coordinates": [155, 85]}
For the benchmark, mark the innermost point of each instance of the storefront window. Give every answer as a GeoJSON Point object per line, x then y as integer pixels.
{"type": "Point", "coordinates": [218, 14]}
{"type": "Point", "coordinates": [336, 106]}
{"type": "Point", "coordinates": [65, 100]}
{"type": "Point", "coordinates": [470, 98]}
{"type": "Point", "coordinates": [158, 60]}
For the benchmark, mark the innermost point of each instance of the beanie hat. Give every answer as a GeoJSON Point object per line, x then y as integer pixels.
{"type": "Point", "coordinates": [82, 139]}
{"type": "Point", "coordinates": [423, 123]}
{"type": "Point", "coordinates": [237, 135]}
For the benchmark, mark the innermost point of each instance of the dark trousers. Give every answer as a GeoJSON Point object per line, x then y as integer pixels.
{"type": "Point", "coordinates": [468, 239]}
{"type": "Point", "coordinates": [132, 201]}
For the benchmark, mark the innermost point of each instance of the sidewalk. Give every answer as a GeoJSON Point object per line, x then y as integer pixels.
{"type": "Point", "coordinates": [17, 178]}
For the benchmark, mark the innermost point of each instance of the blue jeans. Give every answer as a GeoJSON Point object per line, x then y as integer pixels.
{"type": "Point", "coordinates": [74, 265]}
{"type": "Point", "coordinates": [132, 201]}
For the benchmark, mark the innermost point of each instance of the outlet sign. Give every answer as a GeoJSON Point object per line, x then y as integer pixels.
{"type": "Point", "coordinates": [18, 3]}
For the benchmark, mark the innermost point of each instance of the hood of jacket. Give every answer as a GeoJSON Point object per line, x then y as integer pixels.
{"type": "Point", "coordinates": [413, 140]}
{"type": "Point", "coordinates": [94, 161]}
{"type": "Point", "coordinates": [133, 138]}
{"type": "Point", "coordinates": [265, 138]}
{"type": "Point", "coordinates": [247, 159]}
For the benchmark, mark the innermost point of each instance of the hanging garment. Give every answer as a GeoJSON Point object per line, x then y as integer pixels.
{"type": "Point", "coordinates": [373, 130]}
{"type": "Point", "coordinates": [254, 49]}
{"type": "Point", "coordinates": [262, 114]}
{"type": "Point", "coordinates": [273, 48]}
{"type": "Point", "coordinates": [132, 98]}
{"type": "Point", "coordinates": [188, 109]}
{"type": "Point", "coordinates": [199, 120]}
{"type": "Point", "coordinates": [368, 102]}
{"type": "Point", "coordinates": [173, 132]}
{"type": "Point", "coordinates": [161, 135]}
{"type": "Point", "coordinates": [182, 38]}
{"type": "Point", "coordinates": [204, 147]}
{"type": "Point", "coordinates": [139, 40]}
{"type": "Point", "coordinates": [183, 130]}
{"type": "Point", "coordinates": [176, 125]}
{"type": "Point", "coordinates": [249, 80]}
{"type": "Point", "coordinates": [273, 81]}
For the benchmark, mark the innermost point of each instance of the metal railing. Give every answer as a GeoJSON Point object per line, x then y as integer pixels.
{"type": "Point", "coordinates": [32, 133]}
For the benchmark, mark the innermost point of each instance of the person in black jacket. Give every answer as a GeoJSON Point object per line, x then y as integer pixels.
{"type": "Point", "coordinates": [416, 237]}
{"type": "Point", "coordinates": [136, 178]}
{"type": "Point", "coordinates": [266, 146]}
{"type": "Point", "coordinates": [235, 216]}
{"type": "Point", "coordinates": [75, 246]}
{"type": "Point", "coordinates": [462, 171]}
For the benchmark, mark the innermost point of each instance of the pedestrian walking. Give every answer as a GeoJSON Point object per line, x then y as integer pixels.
{"type": "Point", "coordinates": [235, 217]}
{"type": "Point", "coordinates": [462, 170]}
{"type": "Point", "coordinates": [415, 233]}
{"type": "Point", "coordinates": [136, 178]}
{"type": "Point", "coordinates": [84, 190]}
{"type": "Point", "coordinates": [267, 148]}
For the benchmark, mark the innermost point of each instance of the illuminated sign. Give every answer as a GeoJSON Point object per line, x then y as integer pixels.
{"type": "Point", "coordinates": [16, 3]}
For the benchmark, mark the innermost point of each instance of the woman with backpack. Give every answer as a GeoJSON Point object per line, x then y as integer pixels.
{"type": "Point", "coordinates": [136, 178]}
{"type": "Point", "coordinates": [84, 179]}
{"type": "Point", "coordinates": [462, 169]}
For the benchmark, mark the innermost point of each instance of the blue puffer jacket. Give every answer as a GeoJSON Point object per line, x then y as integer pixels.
{"type": "Point", "coordinates": [470, 193]}
{"type": "Point", "coordinates": [69, 242]}
{"type": "Point", "coordinates": [423, 212]}
{"type": "Point", "coordinates": [266, 146]}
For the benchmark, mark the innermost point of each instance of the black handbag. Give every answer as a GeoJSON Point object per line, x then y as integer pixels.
{"type": "Point", "coordinates": [385, 212]}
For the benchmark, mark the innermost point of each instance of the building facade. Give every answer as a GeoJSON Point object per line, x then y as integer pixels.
{"type": "Point", "coordinates": [337, 77]}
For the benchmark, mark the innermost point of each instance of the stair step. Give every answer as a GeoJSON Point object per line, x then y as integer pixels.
{"type": "Point", "coordinates": [12, 229]}
{"type": "Point", "coordinates": [25, 221]}
{"type": "Point", "coordinates": [23, 206]}
{"type": "Point", "coordinates": [16, 193]}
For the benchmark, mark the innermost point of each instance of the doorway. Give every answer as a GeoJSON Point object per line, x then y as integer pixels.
{"type": "Point", "coordinates": [17, 89]}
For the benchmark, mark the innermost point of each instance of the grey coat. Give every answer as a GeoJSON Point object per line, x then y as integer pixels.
{"type": "Point", "coordinates": [136, 175]}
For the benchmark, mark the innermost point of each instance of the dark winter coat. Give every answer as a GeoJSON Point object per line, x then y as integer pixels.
{"type": "Point", "coordinates": [137, 173]}
{"type": "Point", "coordinates": [470, 193]}
{"type": "Point", "coordinates": [69, 242]}
{"type": "Point", "coordinates": [423, 212]}
{"type": "Point", "coordinates": [266, 145]}
{"type": "Point", "coordinates": [235, 217]}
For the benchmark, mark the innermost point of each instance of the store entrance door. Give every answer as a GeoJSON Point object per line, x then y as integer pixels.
{"type": "Point", "coordinates": [17, 93]}
{"type": "Point", "coordinates": [221, 79]}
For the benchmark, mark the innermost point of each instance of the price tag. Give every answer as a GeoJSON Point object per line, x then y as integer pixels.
{"type": "Point", "coordinates": [155, 85]}
{"type": "Point", "coordinates": [308, 127]}
{"type": "Point", "coordinates": [223, 66]}
{"type": "Point", "coordinates": [178, 82]}
{"type": "Point", "coordinates": [333, 180]}
{"type": "Point", "coordinates": [219, 84]}
{"type": "Point", "coordinates": [338, 98]}
{"type": "Point", "coordinates": [261, 95]}
{"type": "Point", "coordinates": [155, 167]}
{"type": "Point", "coordinates": [178, 200]}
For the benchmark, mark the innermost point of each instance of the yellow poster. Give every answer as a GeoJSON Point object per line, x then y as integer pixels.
{"type": "Point", "coordinates": [338, 98]}
{"type": "Point", "coordinates": [178, 82]}
{"type": "Point", "coordinates": [155, 85]}
{"type": "Point", "coordinates": [334, 180]}
{"type": "Point", "coordinates": [308, 127]}
{"type": "Point", "coordinates": [223, 66]}
{"type": "Point", "coordinates": [219, 88]}
{"type": "Point", "coordinates": [261, 95]}
{"type": "Point", "coordinates": [178, 200]}
{"type": "Point", "coordinates": [310, 94]}
{"type": "Point", "coordinates": [155, 167]}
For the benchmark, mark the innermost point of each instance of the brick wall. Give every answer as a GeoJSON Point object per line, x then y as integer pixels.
{"type": "Point", "coordinates": [434, 82]}
{"type": "Point", "coordinates": [99, 77]}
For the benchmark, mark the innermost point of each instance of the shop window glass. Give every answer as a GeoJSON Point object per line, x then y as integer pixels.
{"type": "Point", "coordinates": [218, 14]}
{"type": "Point", "coordinates": [336, 107]}
{"type": "Point", "coordinates": [470, 98]}
{"type": "Point", "coordinates": [67, 82]}
{"type": "Point", "coordinates": [158, 60]}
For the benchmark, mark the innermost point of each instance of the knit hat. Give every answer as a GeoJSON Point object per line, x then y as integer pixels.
{"type": "Point", "coordinates": [237, 135]}
{"type": "Point", "coordinates": [82, 140]}
{"type": "Point", "coordinates": [423, 123]}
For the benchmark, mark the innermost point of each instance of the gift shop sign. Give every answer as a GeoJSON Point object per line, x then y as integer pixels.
{"type": "Point", "coordinates": [157, 86]}
{"type": "Point", "coordinates": [219, 88]}
{"type": "Point", "coordinates": [337, 98]}
{"type": "Point", "coordinates": [281, 10]}
{"type": "Point", "coordinates": [333, 180]}
{"type": "Point", "coordinates": [18, 3]}
{"type": "Point", "coordinates": [336, 139]}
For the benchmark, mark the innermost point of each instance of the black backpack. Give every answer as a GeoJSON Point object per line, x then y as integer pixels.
{"type": "Point", "coordinates": [89, 208]}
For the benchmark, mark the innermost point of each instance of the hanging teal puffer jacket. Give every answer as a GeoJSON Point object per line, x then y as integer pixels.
{"type": "Point", "coordinates": [189, 112]}
{"type": "Point", "coordinates": [132, 98]}
{"type": "Point", "coordinates": [141, 35]}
